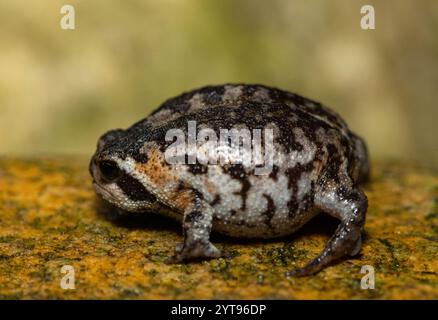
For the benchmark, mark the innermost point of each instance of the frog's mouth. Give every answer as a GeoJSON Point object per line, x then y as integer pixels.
{"type": "Point", "coordinates": [104, 193]}
{"type": "Point", "coordinates": [109, 196]}
{"type": "Point", "coordinates": [119, 199]}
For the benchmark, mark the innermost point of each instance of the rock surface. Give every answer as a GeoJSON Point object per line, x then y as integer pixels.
{"type": "Point", "coordinates": [49, 217]}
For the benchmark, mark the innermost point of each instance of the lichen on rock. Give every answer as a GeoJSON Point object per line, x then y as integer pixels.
{"type": "Point", "coordinates": [49, 217]}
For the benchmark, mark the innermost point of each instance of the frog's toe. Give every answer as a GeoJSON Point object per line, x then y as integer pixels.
{"type": "Point", "coordinates": [355, 249]}
{"type": "Point", "coordinates": [312, 268]}
{"type": "Point", "coordinates": [191, 252]}
{"type": "Point", "coordinates": [212, 252]}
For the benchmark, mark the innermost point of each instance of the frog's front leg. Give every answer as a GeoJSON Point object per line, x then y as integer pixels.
{"type": "Point", "coordinates": [197, 225]}
{"type": "Point", "coordinates": [348, 204]}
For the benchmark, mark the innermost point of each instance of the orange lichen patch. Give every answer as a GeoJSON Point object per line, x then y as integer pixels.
{"type": "Point", "coordinates": [156, 169]}
{"type": "Point", "coordinates": [49, 218]}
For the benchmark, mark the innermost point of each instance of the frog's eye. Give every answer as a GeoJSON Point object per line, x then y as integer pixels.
{"type": "Point", "coordinates": [109, 170]}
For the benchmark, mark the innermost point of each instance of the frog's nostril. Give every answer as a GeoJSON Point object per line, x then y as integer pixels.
{"type": "Point", "coordinates": [109, 170]}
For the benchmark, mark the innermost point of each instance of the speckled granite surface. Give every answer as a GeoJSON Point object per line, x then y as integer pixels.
{"type": "Point", "coordinates": [49, 217]}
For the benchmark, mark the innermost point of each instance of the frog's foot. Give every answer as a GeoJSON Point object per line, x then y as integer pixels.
{"type": "Point", "coordinates": [197, 225]}
{"type": "Point", "coordinates": [350, 207]}
{"type": "Point", "coordinates": [197, 250]}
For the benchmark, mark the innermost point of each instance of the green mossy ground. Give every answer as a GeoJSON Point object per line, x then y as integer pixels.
{"type": "Point", "coordinates": [49, 217]}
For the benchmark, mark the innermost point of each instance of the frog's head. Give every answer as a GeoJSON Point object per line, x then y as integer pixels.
{"type": "Point", "coordinates": [114, 176]}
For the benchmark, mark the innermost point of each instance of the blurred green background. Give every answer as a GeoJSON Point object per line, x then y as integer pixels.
{"type": "Point", "coordinates": [60, 89]}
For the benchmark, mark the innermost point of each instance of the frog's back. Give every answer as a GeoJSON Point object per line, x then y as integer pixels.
{"type": "Point", "coordinates": [234, 100]}
{"type": "Point", "coordinates": [308, 138]}
{"type": "Point", "coordinates": [299, 124]}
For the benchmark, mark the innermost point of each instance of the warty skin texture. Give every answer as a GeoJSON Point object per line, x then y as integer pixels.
{"type": "Point", "coordinates": [317, 167]}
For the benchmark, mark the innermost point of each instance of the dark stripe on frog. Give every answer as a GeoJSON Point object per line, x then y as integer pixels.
{"type": "Point", "coordinates": [308, 198]}
{"type": "Point", "coordinates": [294, 175]}
{"type": "Point", "coordinates": [237, 171]}
{"type": "Point", "coordinates": [333, 164]}
{"type": "Point", "coordinates": [217, 199]}
{"type": "Point", "coordinates": [133, 189]}
{"type": "Point", "coordinates": [193, 216]}
{"type": "Point", "coordinates": [273, 174]}
{"type": "Point", "coordinates": [269, 213]}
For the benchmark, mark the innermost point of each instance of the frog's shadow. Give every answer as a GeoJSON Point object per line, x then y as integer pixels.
{"type": "Point", "coordinates": [322, 224]}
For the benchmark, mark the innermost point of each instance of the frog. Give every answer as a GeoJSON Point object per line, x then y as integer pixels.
{"type": "Point", "coordinates": [318, 166]}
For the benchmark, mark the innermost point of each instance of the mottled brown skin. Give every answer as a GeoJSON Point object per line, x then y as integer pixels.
{"type": "Point", "coordinates": [322, 164]}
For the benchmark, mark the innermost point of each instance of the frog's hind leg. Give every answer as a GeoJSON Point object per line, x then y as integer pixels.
{"type": "Point", "coordinates": [344, 201]}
